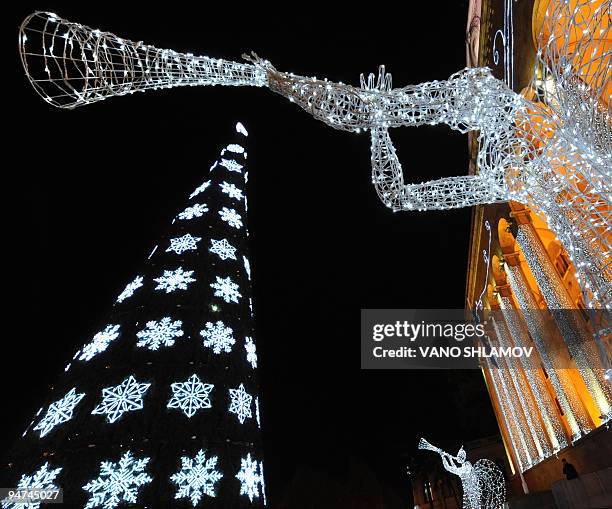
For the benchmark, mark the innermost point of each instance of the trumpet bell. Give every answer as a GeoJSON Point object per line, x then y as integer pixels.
{"type": "Point", "coordinates": [72, 65]}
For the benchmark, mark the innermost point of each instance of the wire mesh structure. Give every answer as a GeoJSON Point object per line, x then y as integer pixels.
{"type": "Point", "coordinates": [483, 482]}
{"type": "Point", "coordinates": [551, 151]}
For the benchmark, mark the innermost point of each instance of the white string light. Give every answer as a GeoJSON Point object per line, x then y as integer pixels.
{"type": "Point", "coordinates": [483, 482]}
{"type": "Point", "coordinates": [553, 155]}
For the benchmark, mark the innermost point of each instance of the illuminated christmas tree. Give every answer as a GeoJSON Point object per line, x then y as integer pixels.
{"type": "Point", "coordinates": [160, 406]}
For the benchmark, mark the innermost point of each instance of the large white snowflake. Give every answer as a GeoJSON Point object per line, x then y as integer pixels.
{"type": "Point", "coordinates": [43, 479]}
{"type": "Point", "coordinates": [231, 190]}
{"type": "Point", "coordinates": [263, 483]}
{"type": "Point", "coordinates": [125, 397]}
{"type": "Point", "coordinates": [196, 477]}
{"type": "Point", "coordinates": [184, 243]}
{"type": "Point", "coordinates": [251, 350]}
{"type": "Point", "coordinates": [240, 403]}
{"type": "Point", "coordinates": [59, 411]}
{"type": "Point", "coordinates": [223, 249]}
{"type": "Point", "coordinates": [231, 165]}
{"type": "Point", "coordinates": [218, 337]}
{"type": "Point", "coordinates": [231, 217]}
{"type": "Point", "coordinates": [129, 290]}
{"type": "Point", "coordinates": [234, 147]}
{"type": "Point", "coordinates": [196, 211]}
{"type": "Point", "coordinates": [99, 343]}
{"type": "Point", "coordinates": [160, 333]}
{"type": "Point", "coordinates": [247, 266]}
{"type": "Point", "coordinates": [191, 395]}
{"type": "Point", "coordinates": [174, 280]}
{"type": "Point", "coordinates": [200, 189]}
{"type": "Point", "coordinates": [249, 477]}
{"type": "Point", "coordinates": [226, 289]}
{"type": "Point", "coordinates": [118, 482]}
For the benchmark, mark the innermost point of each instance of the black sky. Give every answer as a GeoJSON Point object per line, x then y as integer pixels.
{"type": "Point", "coordinates": [92, 189]}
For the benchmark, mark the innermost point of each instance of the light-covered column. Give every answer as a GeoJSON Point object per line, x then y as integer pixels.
{"type": "Point", "coordinates": [578, 340]}
{"type": "Point", "coordinates": [575, 414]}
{"type": "Point", "coordinates": [551, 432]}
{"type": "Point", "coordinates": [510, 424]}
{"type": "Point", "coordinates": [514, 380]}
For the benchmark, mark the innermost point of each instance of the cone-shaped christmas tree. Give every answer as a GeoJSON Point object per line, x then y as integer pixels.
{"type": "Point", "coordinates": [160, 407]}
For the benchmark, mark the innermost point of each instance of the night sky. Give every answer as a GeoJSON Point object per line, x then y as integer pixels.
{"type": "Point", "coordinates": [92, 189]}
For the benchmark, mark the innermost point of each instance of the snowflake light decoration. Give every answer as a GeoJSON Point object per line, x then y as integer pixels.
{"type": "Point", "coordinates": [233, 147]}
{"type": "Point", "coordinates": [231, 190]}
{"type": "Point", "coordinates": [190, 396]}
{"type": "Point", "coordinates": [226, 289]}
{"type": "Point", "coordinates": [223, 249]}
{"type": "Point", "coordinates": [99, 343]}
{"type": "Point", "coordinates": [118, 482]}
{"type": "Point", "coordinates": [184, 243]}
{"type": "Point", "coordinates": [160, 333]}
{"type": "Point", "coordinates": [174, 280]}
{"type": "Point", "coordinates": [247, 266]}
{"type": "Point", "coordinates": [200, 189]}
{"type": "Point", "coordinates": [196, 211]}
{"type": "Point", "coordinates": [58, 412]}
{"type": "Point", "coordinates": [251, 350]}
{"type": "Point", "coordinates": [240, 403]}
{"type": "Point", "coordinates": [249, 477]}
{"type": "Point", "coordinates": [231, 217]}
{"type": "Point", "coordinates": [129, 290]}
{"type": "Point", "coordinates": [218, 337]}
{"type": "Point", "coordinates": [43, 479]}
{"type": "Point", "coordinates": [125, 397]}
{"type": "Point", "coordinates": [197, 477]}
{"type": "Point", "coordinates": [257, 415]}
{"type": "Point", "coordinates": [231, 165]}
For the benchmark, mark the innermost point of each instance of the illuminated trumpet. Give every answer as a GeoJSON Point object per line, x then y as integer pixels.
{"type": "Point", "coordinates": [553, 156]}
{"type": "Point", "coordinates": [73, 65]}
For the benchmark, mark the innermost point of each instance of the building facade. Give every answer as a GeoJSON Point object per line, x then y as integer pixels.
{"type": "Point", "coordinates": [523, 283]}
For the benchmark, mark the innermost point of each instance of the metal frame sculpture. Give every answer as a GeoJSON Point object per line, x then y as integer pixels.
{"type": "Point", "coordinates": [483, 483]}
{"type": "Point", "coordinates": [553, 153]}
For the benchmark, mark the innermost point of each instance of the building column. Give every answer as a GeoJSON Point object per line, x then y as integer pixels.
{"type": "Point", "coordinates": [523, 403]}
{"type": "Point", "coordinates": [579, 341]}
{"type": "Point", "coordinates": [518, 456]}
{"type": "Point", "coordinates": [576, 416]}
{"type": "Point", "coordinates": [545, 406]}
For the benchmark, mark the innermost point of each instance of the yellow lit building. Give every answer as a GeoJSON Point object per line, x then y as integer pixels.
{"type": "Point", "coordinates": [522, 282]}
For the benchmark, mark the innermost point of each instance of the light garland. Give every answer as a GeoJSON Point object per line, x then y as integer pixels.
{"type": "Point", "coordinates": [515, 376]}
{"type": "Point", "coordinates": [551, 431]}
{"type": "Point", "coordinates": [509, 423]}
{"type": "Point", "coordinates": [573, 410]}
{"type": "Point", "coordinates": [578, 340]}
{"type": "Point", "coordinates": [514, 407]}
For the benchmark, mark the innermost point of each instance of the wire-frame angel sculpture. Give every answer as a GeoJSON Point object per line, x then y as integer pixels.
{"type": "Point", "coordinates": [483, 482]}
{"type": "Point", "coordinates": [551, 151]}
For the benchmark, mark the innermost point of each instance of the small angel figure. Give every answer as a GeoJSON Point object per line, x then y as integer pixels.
{"type": "Point", "coordinates": [483, 482]}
